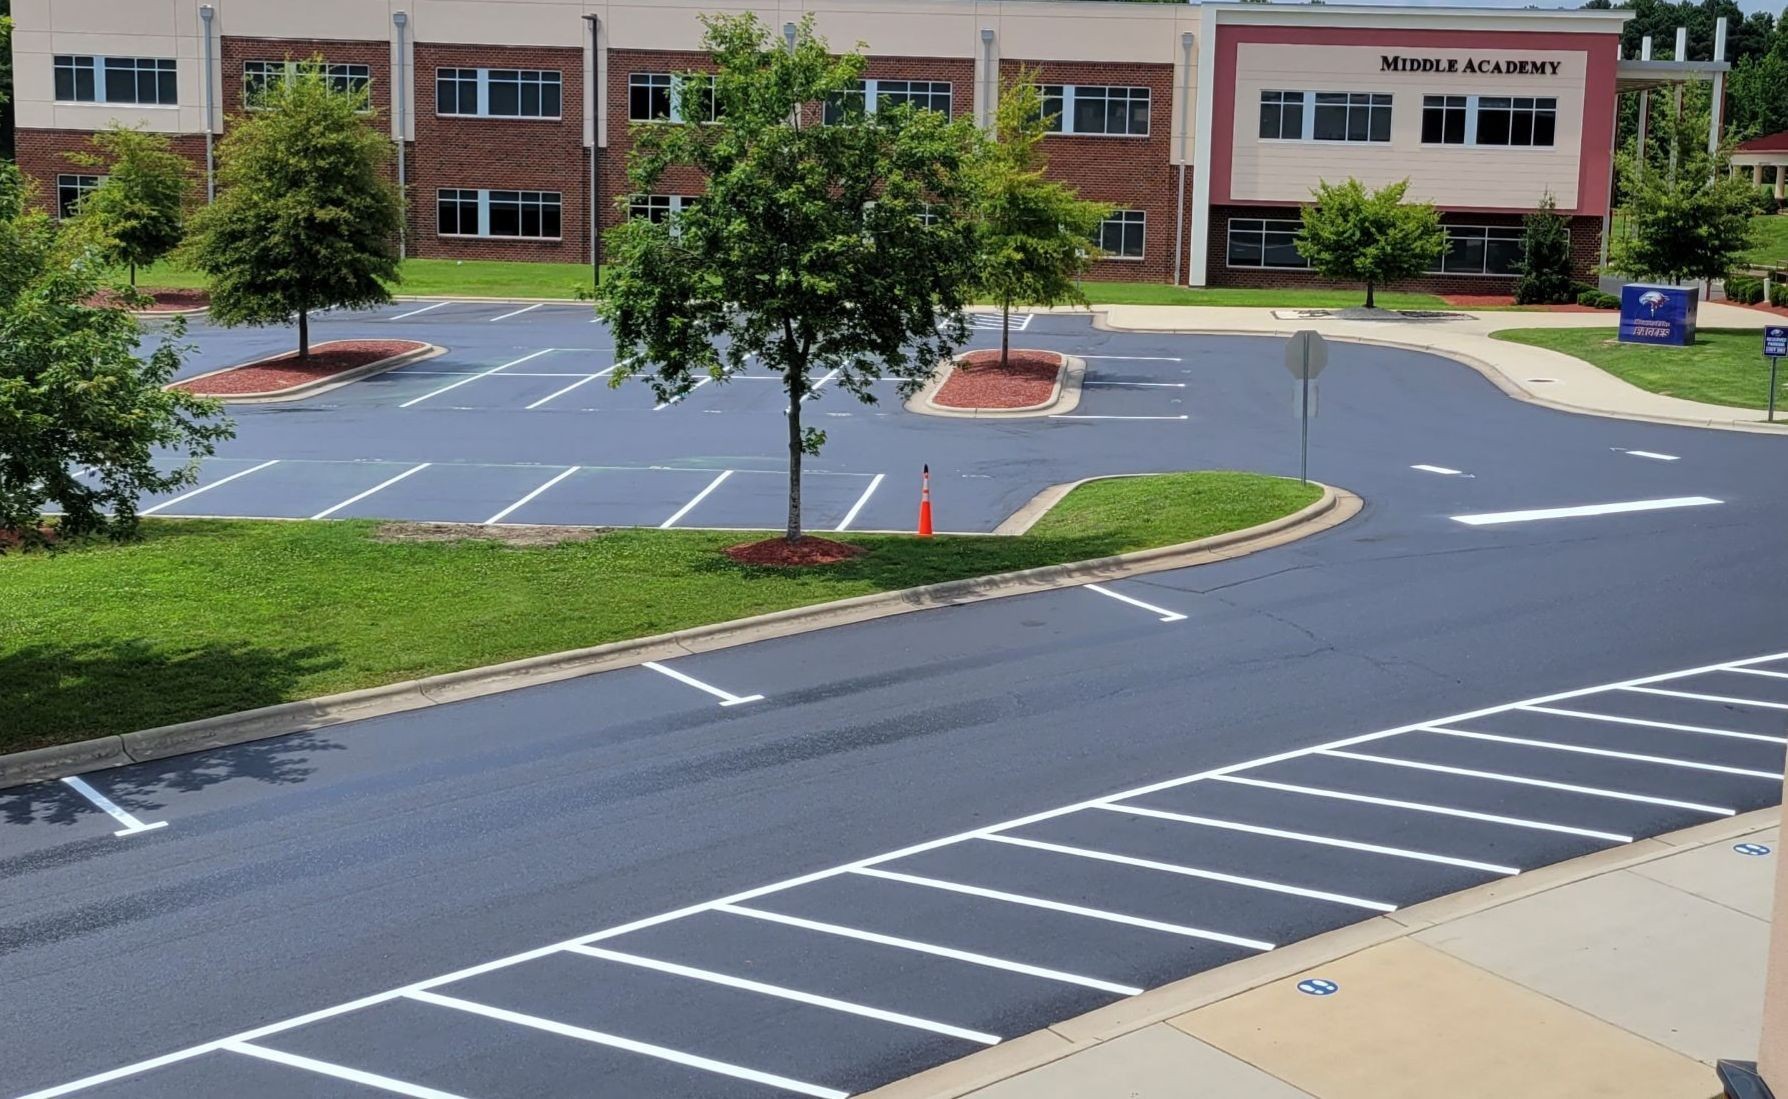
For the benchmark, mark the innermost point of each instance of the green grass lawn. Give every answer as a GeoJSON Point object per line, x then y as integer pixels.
{"type": "Point", "coordinates": [1724, 366]}
{"type": "Point", "coordinates": [204, 617]}
{"type": "Point", "coordinates": [1772, 241]}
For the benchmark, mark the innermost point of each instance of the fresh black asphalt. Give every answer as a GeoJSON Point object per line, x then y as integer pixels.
{"type": "Point", "coordinates": [301, 874]}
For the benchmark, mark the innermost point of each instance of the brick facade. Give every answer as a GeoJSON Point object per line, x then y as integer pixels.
{"type": "Point", "coordinates": [43, 155]}
{"type": "Point", "coordinates": [524, 154]}
{"type": "Point", "coordinates": [612, 185]}
{"type": "Point", "coordinates": [1131, 173]}
{"type": "Point", "coordinates": [1586, 237]}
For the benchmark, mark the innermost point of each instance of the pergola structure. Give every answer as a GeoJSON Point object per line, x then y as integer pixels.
{"type": "Point", "coordinates": [1761, 154]}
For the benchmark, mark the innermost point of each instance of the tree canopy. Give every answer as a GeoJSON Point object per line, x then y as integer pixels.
{"type": "Point", "coordinates": [840, 250]}
{"type": "Point", "coordinates": [137, 214]}
{"type": "Point", "coordinates": [1684, 218]}
{"type": "Point", "coordinates": [307, 214]}
{"type": "Point", "coordinates": [1374, 237]}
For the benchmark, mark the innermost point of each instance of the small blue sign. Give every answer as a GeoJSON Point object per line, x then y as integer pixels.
{"type": "Point", "coordinates": [1658, 314]}
{"type": "Point", "coordinates": [1750, 848]}
{"type": "Point", "coordinates": [1775, 341]}
{"type": "Point", "coordinates": [1316, 986]}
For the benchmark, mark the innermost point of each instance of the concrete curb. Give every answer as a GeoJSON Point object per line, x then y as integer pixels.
{"type": "Point", "coordinates": [1064, 1039]}
{"type": "Point", "coordinates": [1334, 508]}
{"type": "Point", "coordinates": [1064, 396]}
{"type": "Point", "coordinates": [320, 385]}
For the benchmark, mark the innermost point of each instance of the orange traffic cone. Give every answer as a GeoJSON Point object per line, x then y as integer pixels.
{"type": "Point", "coordinates": [925, 504]}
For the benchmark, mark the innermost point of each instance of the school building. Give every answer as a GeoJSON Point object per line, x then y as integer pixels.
{"type": "Point", "coordinates": [1204, 124]}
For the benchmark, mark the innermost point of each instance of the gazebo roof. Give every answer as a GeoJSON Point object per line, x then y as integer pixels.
{"type": "Point", "coordinates": [1769, 143]}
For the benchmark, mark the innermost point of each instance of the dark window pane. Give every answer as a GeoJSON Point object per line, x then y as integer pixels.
{"type": "Point", "coordinates": [1089, 114]}
{"type": "Point", "coordinates": [1331, 122]}
{"type": "Point", "coordinates": [1455, 133]}
{"type": "Point", "coordinates": [65, 84]}
{"type": "Point", "coordinates": [1521, 128]}
{"type": "Point", "coordinates": [1052, 106]}
{"type": "Point", "coordinates": [1358, 124]}
{"type": "Point", "coordinates": [1545, 127]}
{"type": "Point", "coordinates": [1381, 124]}
{"type": "Point", "coordinates": [121, 84]}
{"type": "Point", "coordinates": [1465, 255]}
{"type": "Point", "coordinates": [552, 99]}
{"type": "Point", "coordinates": [1291, 125]}
{"type": "Point", "coordinates": [1502, 256]}
{"type": "Point", "coordinates": [550, 221]}
{"type": "Point", "coordinates": [169, 87]}
{"type": "Point", "coordinates": [1139, 116]}
{"type": "Point", "coordinates": [1434, 123]}
{"type": "Point", "coordinates": [1282, 250]}
{"type": "Point", "coordinates": [446, 96]}
{"type": "Point", "coordinates": [505, 98]}
{"type": "Point", "coordinates": [1493, 126]}
{"type": "Point", "coordinates": [1270, 114]}
{"type": "Point", "coordinates": [1245, 249]}
{"type": "Point", "coordinates": [1133, 235]}
{"type": "Point", "coordinates": [505, 219]}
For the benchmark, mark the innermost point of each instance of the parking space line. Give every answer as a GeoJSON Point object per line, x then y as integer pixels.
{"type": "Point", "coordinates": [475, 377]}
{"type": "Point", "coordinates": [1524, 780]}
{"type": "Point", "coordinates": [340, 1072]}
{"type": "Point", "coordinates": [662, 405]}
{"type": "Point", "coordinates": [663, 1053]}
{"type": "Point", "coordinates": [1442, 470]}
{"type": "Point", "coordinates": [1060, 906]}
{"type": "Point", "coordinates": [1134, 359]}
{"type": "Point", "coordinates": [1698, 697]}
{"type": "Point", "coordinates": [1166, 615]}
{"type": "Point", "coordinates": [1192, 872]}
{"type": "Point", "coordinates": [585, 380]}
{"type": "Point", "coordinates": [501, 515]}
{"type": "Point", "coordinates": [1759, 671]}
{"type": "Point", "coordinates": [132, 825]}
{"type": "Point", "coordinates": [1305, 837]}
{"type": "Point", "coordinates": [1649, 724]}
{"type": "Point", "coordinates": [796, 995]}
{"type": "Point", "coordinates": [727, 698]}
{"type": "Point", "coordinates": [517, 313]}
{"type": "Point", "coordinates": [418, 312]}
{"type": "Point", "coordinates": [812, 391]}
{"type": "Point", "coordinates": [327, 512]}
{"type": "Point", "coordinates": [1493, 517]}
{"type": "Point", "coordinates": [1653, 455]}
{"type": "Point", "coordinates": [1609, 753]}
{"type": "Point", "coordinates": [851, 515]}
{"type": "Point", "coordinates": [1089, 384]}
{"type": "Point", "coordinates": [1423, 807]}
{"type": "Point", "coordinates": [1080, 416]}
{"type": "Point", "coordinates": [914, 945]}
{"type": "Point", "coordinates": [699, 497]}
{"type": "Point", "coordinates": [184, 496]}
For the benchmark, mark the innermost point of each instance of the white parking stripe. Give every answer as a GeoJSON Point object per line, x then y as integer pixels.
{"type": "Point", "coordinates": [517, 313]}
{"type": "Point", "coordinates": [1523, 780]}
{"type": "Point", "coordinates": [501, 515]}
{"type": "Point", "coordinates": [727, 698]}
{"type": "Point", "coordinates": [1192, 872]}
{"type": "Point", "coordinates": [699, 497]}
{"type": "Point", "coordinates": [917, 947]}
{"type": "Point", "coordinates": [111, 808]}
{"type": "Point", "coordinates": [1305, 837]}
{"type": "Point", "coordinates": [1166, 615]}
{"type": "Point", "coordinates": [1134, 359]}
{"type": "Point", "coordinates": [1654, 455]}
{"type": "Point", "coordinates": [1132, 385]}
{"type": "Point", "coordinates": [663, 1053]}
{"type": "Point", "coordinates": [327, 512]}
{"type": "Point", "coordinates": [812, 390]}
{"type": "Point", "coordinates": [662, 405]}
{"type": "Point", "coordinates": [1079, 416]}
{"type": "Point", "coordinates": [1609, 753]}
{"type": "Point", "coordinates": [1442, 470]}
{"type": "Point", "coordinates": [851, 515]}
{"type": "Point", "coordinates": [796, 995]}
{"type": "Point", "coordinates": [1698, 697]}
{"type": "Point", "coordinates": [1059, 906]}
{"type": "Point", "coordinates": [585, 380]}
{"type": "Point", "coordinates": [1649, 724]}
{"type": "Point", "coordinates": [340, 1072]}
{"type": "Point", "coordinates": [419, 312]}
{"type": "Point", "coordinates": [1746, 671]}
{"type": "Point", "coordinates": [1422, 807]}
{"type": "Point", "coordinates": [207, 488]}
{"type": "Point", "coordinates": [1492, 517]}
{"type": "Point", "coordinates": [474, 377]}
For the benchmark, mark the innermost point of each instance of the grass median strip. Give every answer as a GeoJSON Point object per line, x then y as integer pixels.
{"type": "Point", "coordinates": [205, 617]}
{"type": "Point", "coordinates": [1724, 365]}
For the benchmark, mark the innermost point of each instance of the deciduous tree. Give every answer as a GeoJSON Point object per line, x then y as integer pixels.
{"type": "Point", "coordinates": [1546, 275]}
{"type": "Point", "coordinates": [137, 214]}
{"type": "Point", "coordinates": [1373, 237]}
{"type": "Point", "coordinates": [307, 215]}
{"type": "Point", "coordinates": [1685, 215]}
{"type": "Point", "coordinates": [839, 250]}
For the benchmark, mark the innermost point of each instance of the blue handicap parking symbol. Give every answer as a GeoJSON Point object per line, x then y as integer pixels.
{"type": "Point", "coordinates": [1750, 848]}
{"type": "Point", "coordinates": [1316, 986]}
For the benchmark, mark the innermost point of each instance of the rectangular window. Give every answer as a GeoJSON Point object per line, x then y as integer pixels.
{"type": "Point", "coordinates": [658, 209]}
{"type": "Point", "coordinates": [662, 97]}
{"type": "Point", "coordinates": [456, 91]}
{"type": "Point", "coordinates": [142, 81]}
{"type": "Point", "coordinates": [258, 76]}
{"type": "Point", "coordinates": [1265, 242]}
{"type": "Point", "coordinates": [1443, 119]}
{"type": "Point", "coordinates": [458, 213]}
{"type": "Point", "coordinates": [70, 190]}
{"type": "Point", "coordinates": [1121, 235]}
{"type": "Point", "coordinates": [870, 96]}
{"type": "Point", "coordinates": [499, 93]}
{"type": "Point", "coordinates": [1282, 116]}
{"type": "Point", "coordinates": [1482, 250]}
{"type": "Point", "coordinates": [1520, 120]}
{"type": "Point", "coordinates": [1351, 116]}
{"type": "Point", "coordinates": [533, 215]}
{"type": "Point", "coordinates": [1096, 109]}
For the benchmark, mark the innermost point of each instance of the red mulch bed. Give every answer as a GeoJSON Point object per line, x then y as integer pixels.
{"type": "Point", "coordinates": [12, 538]}
{"type": "Point", "coordinates": [978, 380]}
{"type": "Point", "coordinates": [161, 301]}
{"type": "Point", "coordinates": [286, 372]}
{"type": "Point", "coordinates": [782, 552]}
{"type": "Point", "coordinates": [1483, 301]}
{"type": "Point", "coordinates": [1778, 310]}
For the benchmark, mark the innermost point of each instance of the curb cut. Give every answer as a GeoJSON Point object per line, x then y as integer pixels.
{"type": "Point", "coordinates": [1335, 507]}
{"type": "Point", "coordinates": [318, 385]}
{"type": "Point", "coordinates": [1017, 1056]}
{"type": "Point", "coordinates": [1064, 396]}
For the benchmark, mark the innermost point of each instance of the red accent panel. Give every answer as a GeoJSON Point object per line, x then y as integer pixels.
{"type": "Point", "coordinates": [1601, 52]}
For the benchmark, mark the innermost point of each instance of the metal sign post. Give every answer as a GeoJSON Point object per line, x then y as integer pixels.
{"type": "Point", "coordinates": [1775, 348]}
{"type": "Point", "coordinates": [1305, 356]}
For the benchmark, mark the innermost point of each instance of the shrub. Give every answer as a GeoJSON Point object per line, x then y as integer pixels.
{"type": "Point", "coordinates": [1744, 289]}
{"type": "Point", "coordinates": [1545, 257]}
{"type": "Point", "coordinates": [1778, 294]}
{"type": "Point", "coordinates": [1595, 299]}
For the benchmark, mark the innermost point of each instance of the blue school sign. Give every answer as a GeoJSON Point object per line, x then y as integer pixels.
{"type": "Point", "coordinates": [1658, 314]}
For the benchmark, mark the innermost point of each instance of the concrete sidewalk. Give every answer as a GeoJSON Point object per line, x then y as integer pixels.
{"type": "Point", "coordinates": [1624, 973]}
{"type": "Point", "coordinates": [1528, 373]}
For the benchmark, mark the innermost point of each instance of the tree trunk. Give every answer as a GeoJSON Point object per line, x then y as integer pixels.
{"type": "Point", "coordinates": [1369, 294]}
{"type": "Point", "coordinates": [797, 392]}
{"type": "Point", "coordinates": [133, 276]}
{"type": "Point", "coordinates": [1006, 333]}
{"type": "Point", "coordinates": [303, 335]}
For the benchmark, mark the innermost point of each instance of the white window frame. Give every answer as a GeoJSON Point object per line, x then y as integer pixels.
{"type": "Point", "coordinates": [1287, 98]}
{"type": "Point", "coordinates": [676, 99]}
{"type": "Point", "coordinates": [1471, 122]}
{"type": "Point", "coordinates": [484, 203]}
{"type": "Point", "coordinates": [100, 65]}
{"type": "Point", "coordinates": [483, 109]}
{"type": "Point", "coordinates": [1482, 228]}
{"type": "Point", "coordinates": [1065, 121]}
{"type": "Point", "coordinates": [671, 204]}
{"type": "Point", "coordinates": [1125, 218]}
{"type": "Point", "coordinates": [85, 189]}
{"type": "Point", "coordinates": [291, 67]}
{"type": "Point", "coordinates": [1229, 252]}
{"type": "Point", "coordinates": [1308, 133]}
{"type": "Point", "coordinates": [871, 90]}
